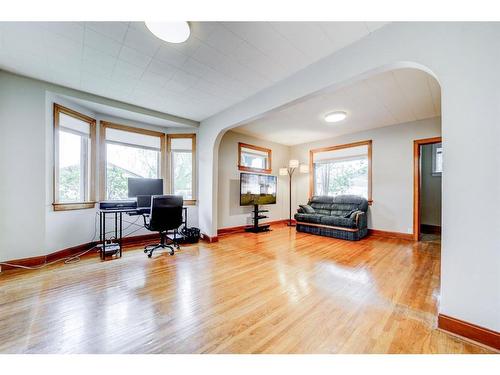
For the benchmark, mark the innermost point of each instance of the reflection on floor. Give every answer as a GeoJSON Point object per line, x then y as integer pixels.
{"type": "Point", "coordinates": [275, 292]}
{"type": "Point", "coordinates": [431, 237]}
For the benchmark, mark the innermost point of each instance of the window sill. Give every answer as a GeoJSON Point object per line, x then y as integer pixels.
{"type": "Point", "coordinates": [187, 202]}
{"type": "Point", "coordinates": [73, 206]}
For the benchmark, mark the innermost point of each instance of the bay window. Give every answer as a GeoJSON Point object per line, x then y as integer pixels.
{"type": "Point", "coordinates": [124, 152]}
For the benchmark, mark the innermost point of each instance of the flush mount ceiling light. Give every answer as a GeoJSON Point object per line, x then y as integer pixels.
{"type": "Point", "coordinates": [335, 116]}
{"type": "Point", "coordinates": [172, 32]}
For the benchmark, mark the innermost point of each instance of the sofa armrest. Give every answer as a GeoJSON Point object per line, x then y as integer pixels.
{"type": "Point", "coordinates": [360, 218]}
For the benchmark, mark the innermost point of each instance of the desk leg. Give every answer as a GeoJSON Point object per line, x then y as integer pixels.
{"type": "Point", "coordinates": [100, 233]}
{"type": "Point", "coordinates": [185, 217]}
{"type": "Point", "coordinates": [121, 232]}
{"type": "Point", "coordinates": [103, 236]}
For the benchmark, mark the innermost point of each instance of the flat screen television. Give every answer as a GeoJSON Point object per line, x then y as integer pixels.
{"type": "Point", "coordinates": [257, 189]}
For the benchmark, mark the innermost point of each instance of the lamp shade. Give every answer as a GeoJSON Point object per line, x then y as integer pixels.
{"type": "Point", "coordinates": [304, 168]}
{"type": "Point", "coordinates": [293, 163]}
{"type": "Point", "coordinates": [283, 171]}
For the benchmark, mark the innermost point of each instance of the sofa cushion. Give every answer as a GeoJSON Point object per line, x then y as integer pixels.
{"type": "Point", "coordinates": [309, 218]}
{"type": "Point", "coordinates": [307, 209]}
{"type": "Point", "coordinates": [351, 202]}
{"type": "Point", "coordinates": [321, 199]}
{"type": "Point", "coordinates": [341, 205]}
{"type": "Point", "coordinates": [321, 208]}
{"type": "Point", "coordinates": [338, 221]}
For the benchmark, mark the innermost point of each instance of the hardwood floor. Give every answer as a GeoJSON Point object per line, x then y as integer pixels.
{"type": "Point", "coordinates": [277, 292]}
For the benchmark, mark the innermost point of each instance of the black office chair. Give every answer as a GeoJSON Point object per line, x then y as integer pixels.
{"type": "Point", "coordinates": [166, 215]}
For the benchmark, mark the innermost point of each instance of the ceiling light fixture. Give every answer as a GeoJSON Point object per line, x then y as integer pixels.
{"type": "Point", "coordinates": [335, 116]}
{"type": "Point", "coordinates": [172, 32]}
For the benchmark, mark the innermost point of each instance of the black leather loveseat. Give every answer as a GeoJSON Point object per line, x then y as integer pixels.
{"type": "Point", "coordinates": [343, 216]}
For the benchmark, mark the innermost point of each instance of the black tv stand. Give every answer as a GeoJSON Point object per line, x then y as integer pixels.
{"type": "Point", "coordinates": [256, 228]}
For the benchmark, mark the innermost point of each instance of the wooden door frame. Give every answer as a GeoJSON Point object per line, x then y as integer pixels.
{"type": "Point", "coordinates": [416, 181]}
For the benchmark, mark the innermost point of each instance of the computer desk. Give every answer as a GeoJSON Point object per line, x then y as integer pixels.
{"type": "Point", "coordinates": [116, 247]}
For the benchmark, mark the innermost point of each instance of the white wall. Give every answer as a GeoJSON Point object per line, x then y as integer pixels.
{"type": "Point", "coordinates": [31, 227]}
{"type": "Point", "coordinates": [22, 168]}
{"type": "Point", "coordinates": [392, 169]}
{"type": "Point", "coordinates": [230, 213]}
{"type": "Point", "coordinates": [464, 57]}
{"type": "Point", "coordinates": [430, 194]}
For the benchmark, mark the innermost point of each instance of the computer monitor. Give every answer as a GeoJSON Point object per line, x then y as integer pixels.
{"type": "Point", "coordinates": [144, 186]}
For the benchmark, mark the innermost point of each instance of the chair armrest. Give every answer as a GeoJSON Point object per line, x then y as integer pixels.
{"type": "Point", "coordinates": [300, 210]}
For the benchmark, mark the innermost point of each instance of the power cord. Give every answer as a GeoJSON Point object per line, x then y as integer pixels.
{"type": "Point", "coordinates": [68, 260]}
{"type": "Point", "coordinates": [77, 257]}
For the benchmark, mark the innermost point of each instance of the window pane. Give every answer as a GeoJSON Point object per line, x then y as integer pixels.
{"type": "Point", "coordinates": [247, 150]}
{"type": "Point", "coordinates": [253, 161]}
{"type": "Point", "coordinates": [183, 144]}
{"type": "Point", "coordinates": [126, 161]}
{"type": "Point", "coordinates": [131, 138]}
{"type": "Point", "coordinates": [73, 156]}
{"type": "Point", "coordinates": [71, 123]}
{"type": "Point", "coordinates": [437, 158]}
{"type": "Point", "coordinates": [254, 158]}
{"type": "Point", "coordinates": [341, 171]}
{"type": "Point", "coordinates": [342, 177]}
{"type": "Point", "coordinates": [182, 170]}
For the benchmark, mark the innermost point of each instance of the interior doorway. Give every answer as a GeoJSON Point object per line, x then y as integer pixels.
{"type": "Point", "coordinates": [427, 191]}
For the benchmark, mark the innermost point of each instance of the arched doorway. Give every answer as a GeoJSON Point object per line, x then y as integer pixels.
{"type": "Point", "coordinates": [382, 77]}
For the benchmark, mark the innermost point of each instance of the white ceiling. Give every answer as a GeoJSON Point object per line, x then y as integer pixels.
{"type": "Point", "coordinates": [221, 64]}
{"type": "Point", "coordinates": [384, 99]}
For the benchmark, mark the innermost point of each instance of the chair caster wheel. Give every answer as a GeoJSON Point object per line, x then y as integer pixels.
{"type": "Point", "coordinates": [172, 253]}
{"type": "Point", "coordinates": [150, 255]}
{"type": "Point", "coordinates": [145, 251]}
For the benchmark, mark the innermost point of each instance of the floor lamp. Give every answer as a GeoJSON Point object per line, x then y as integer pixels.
{"type": "Point", "coordinates": [292, 166]}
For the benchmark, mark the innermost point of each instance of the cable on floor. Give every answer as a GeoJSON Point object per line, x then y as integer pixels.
{"type": "Point", "coordinates": [76, 258]}
{"type": "Point", "coordinates": [68, 260]}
